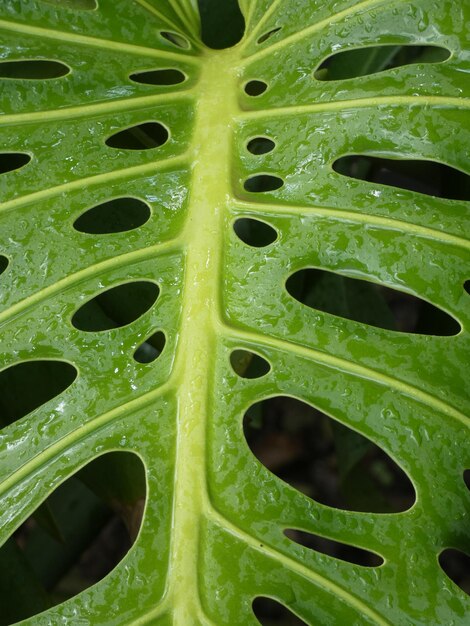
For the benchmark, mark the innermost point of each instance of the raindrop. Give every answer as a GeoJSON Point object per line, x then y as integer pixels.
{"type": "Point", "coordinates": [163, 77]}
{"type": "Point", "coordinates": [255, 87]}
{"type": "Point", "coordinates": [336, 549]}
{"type": "Point", "coordinates": [28, 385]}
{"type": "Point", "coordinates": [254, 232]}
{"type": "Point", "coordinates": [369, 303]}
{"type": "Point", "coordinates": [151, 348]}
{"type": "Point", "coordinates": [260, 145]}
{"type": "Point", "coordinates": [263, 182]}
{"type": "Point", "coordinates": [422, 176]}
{"type": "Point", "coordinates": [11, 161]}
{"type": "Point", "coordinates": [176, 39]}
{"type": "Point", "coordinates": [247, 364]}
{"type": "Point", "coordinates": [324, 459]}
{"type": "Point", "coordinates": [116, 307]}
{"type": "Point", "coordinates": [139, 137]}
{"type": "Point", "coordinates": [114, 216]}
{"type": "Point", "coordinates": [33, 69]}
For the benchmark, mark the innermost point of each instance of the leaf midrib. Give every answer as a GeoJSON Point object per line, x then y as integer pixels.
{"type": "Point", "coordinates": [210, 193]}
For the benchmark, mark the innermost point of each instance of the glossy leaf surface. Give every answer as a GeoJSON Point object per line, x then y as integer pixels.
{"type": "Point", "coordinates": [212, 538]}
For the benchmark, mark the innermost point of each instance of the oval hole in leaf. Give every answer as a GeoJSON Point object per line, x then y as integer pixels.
{"type": "Point", "coordinates": [262, 183]}
{"type": "Point", "coordinates": [248, 364]}
{"type": "Point", "coordinates": [456, 565]}
{"type": "Point", "coordinates": [268, 35]}
{"type": "Point", "coordinates": [269, 612]}
{"type": "Point", "coordinates": [115, 216]}
{"type": "Point", "coordinates": [28, 385]}
{"type": "Point", "coordinates": [255, 87]}
{"type": "Point", "coordinates": [176, 39]}
{"type": "Point", "coordinates": [92, 521]}
{"type": "Point", "coordinates": [4, 262]}
{"type": "Point", "coordinates": [254, 233]}
{"type": "Point", "coordinates": [159, 77]}
{"type": "Point", "coordinates": [116, 307]}
{"type": "Point", "coordinates": [366, 61]}
{"type": "Point", "coordinates": [11, 161]}
{"type": "Point", "coordinates": [336, 549]}
{"type": "Point", "coordinates": [139, 137]}
{"type": "Point", "coordinates": [33, 69]}
{"type": "Point", "coordinates": [151, 348]}
{"type": "Point", "coordinates": [325, 460]}
{"type": "Point", "coordinates": [467, 286]}
{"type": "Point", "coordinates": [368, 303]}
{"type": "Point", "coordinates": [422, 176]}
{"type": "Point", "coordinates": [260, 145]}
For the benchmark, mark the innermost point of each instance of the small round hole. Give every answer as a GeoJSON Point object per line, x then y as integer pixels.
{"type": "Point", "coordinates": [255, 87]}
{"type": "Point", "coordinates": [248, 364]}
{"type": "Point", "coordinates": [254, 232]}
{"type": "Point", "coordinates": [150, 350]}
{"type": "Point", "coordinates": [466, 286]}
{"type": "Point", "coordinates": [268, 35]}
{"type": "Point", "coordinates": [263, 182]}
{"type": "Point", "coordinates": [176, 39]}
{"type": "Point", "coordinates": [260, 145]}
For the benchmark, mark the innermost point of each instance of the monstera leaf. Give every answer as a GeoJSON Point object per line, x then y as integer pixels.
{"type": "Point", "coordinates": [180, 229]}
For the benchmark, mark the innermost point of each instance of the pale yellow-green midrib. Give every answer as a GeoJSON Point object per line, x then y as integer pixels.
{"type": "Point", "coordinates": [210, 191]}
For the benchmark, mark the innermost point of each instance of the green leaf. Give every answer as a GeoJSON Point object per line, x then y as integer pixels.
{"type": "Point", "coordinates": [212, 538]}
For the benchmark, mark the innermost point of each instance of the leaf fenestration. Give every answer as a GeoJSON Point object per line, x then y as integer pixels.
{"type": "Point", "coordinates": [171, 379]}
